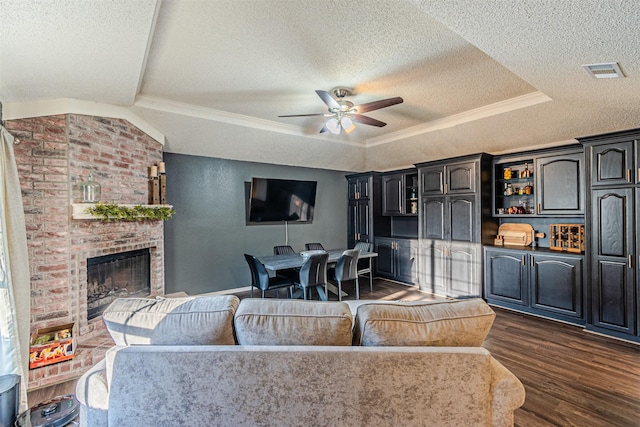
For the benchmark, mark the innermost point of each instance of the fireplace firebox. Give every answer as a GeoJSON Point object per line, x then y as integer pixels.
{"type": "Point", "coordinates": [121, 275]}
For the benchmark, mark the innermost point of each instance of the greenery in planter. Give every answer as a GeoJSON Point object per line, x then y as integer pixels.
{"type": "Point", "coordinates": [113, 212]}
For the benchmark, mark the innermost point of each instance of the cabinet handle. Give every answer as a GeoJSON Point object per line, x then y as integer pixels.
{"type": "Point", "coordinates": [630, 261]}
{"type": "Point", "coordinates": [638, 174]}
{"type": "Point", "coordinates": [531, 261]}
{"type": "Point", "coordinates": [523, 260]}
{"type": "Point", "coordinates": [446, 188]}
{"type": "Point", "coordinates": [538, 207]}
{"type": "Point", "coordinates": [628, 175]}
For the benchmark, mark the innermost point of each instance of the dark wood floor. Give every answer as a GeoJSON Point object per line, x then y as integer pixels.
{"type": "Point", "coordinates": [571, 377]}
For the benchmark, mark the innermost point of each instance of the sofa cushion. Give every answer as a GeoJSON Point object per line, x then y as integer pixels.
{"type": "Point", "coordinates": [292, 322]}
{"type": "Point", "coordinates": [172, 321]}
{"type": "Point", "coordinates": [463, 323]}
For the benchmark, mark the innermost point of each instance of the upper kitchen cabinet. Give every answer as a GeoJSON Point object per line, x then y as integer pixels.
{"type": "Point", "coordinates": [544, 183]}
{"type": "Point", "coordinates": [560, 184]}
{"type": "Point", "coordinates": [454, 178]}
{"type": "Point", "coordinates": [614, 159]}
{"type": "Point", "coordinates": [400, 193]}
{"type": "Point", "coordinates": [359, 187]}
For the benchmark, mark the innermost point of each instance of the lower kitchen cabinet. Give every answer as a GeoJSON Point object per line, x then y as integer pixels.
{"type": "Point", "coordinates": [546, 284]}
{"type": "Point", "coordinates": [449, 268]}
{"type": "Point", "coordinates": [397, 258]}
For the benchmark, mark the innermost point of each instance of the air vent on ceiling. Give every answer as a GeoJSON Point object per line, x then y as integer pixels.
{"type": "Point", "coordinates": [604, 71]}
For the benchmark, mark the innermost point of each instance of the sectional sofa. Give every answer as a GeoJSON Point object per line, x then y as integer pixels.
{"type": "Point", "coordinates": [216, 361]}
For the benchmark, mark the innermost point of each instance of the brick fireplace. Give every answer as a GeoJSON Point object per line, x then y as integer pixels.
{"type": "Point", "coordinates": [54, 154]}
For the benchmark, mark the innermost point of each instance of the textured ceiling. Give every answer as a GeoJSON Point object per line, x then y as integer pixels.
{"type": "Point", "coordinates": [213, 76]}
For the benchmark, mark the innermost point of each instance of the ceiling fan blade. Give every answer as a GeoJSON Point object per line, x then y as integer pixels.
{"type": "Point", "coordinates": [328, 99]}
{"type": "Point", "coordinates": [368, 120]}
{"type": "Point", "coordinates": [303, 115]}
{"type": "Point", "coordinates": [376, 105]}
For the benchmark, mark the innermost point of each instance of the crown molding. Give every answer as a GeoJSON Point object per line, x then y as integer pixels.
{"type": "Point", "coordinates": [483, 112]}
{"type": "Point", "coordinates": [52, 107]}
{"type": "Point", "coordinates": [205, 113]}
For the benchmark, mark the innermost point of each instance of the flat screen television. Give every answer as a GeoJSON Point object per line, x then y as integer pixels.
{"type": "Point", "coordinates": [274, 200]}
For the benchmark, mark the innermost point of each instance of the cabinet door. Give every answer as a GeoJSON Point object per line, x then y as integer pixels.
{"type": "Point", "coordinates": [363, 188]}
{"type": "Point", "coordinates": [434, 217]}
{"type": "Point", "coordinates": [461, 178]}
{"type": "Point", "coordinates": [464, 271]}
{"type": "Point", "coordinates": [432, 271]}
{"type": "Point", "coordinates": [460, 215]}
{"type": "Point", "coordinates": [352, 188]}
{"type": "Point", "coordinates": [392, 195]}
{"type": "Point", "coordinates": [505, 276]}
{"type": "Point", "coordinates": [612, 274]}
{"type": "Point", "coordinates": [559, 183]}
{"type": "Point", "coordinates": [363, 215]}
{"type": "Point", "coordinates": [556, 284]}
{"type": "Point", "coordinates": [358, 188]}
{"type": "Point", "coordinates": [432, 180]}
{"type": "Point", "coordinates": [406, 260]}
{"type": "Point", "coordinates": [611, 164]}
{"type": "Point", "coordinates": [352, 223]}
{"type": "Point", "coordinates": [359, 224]}
{"type": "Point", "coordinates": [385, 261]}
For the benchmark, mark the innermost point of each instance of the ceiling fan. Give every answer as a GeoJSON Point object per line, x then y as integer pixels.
{"type": "Point", "coordinates": [343, 113]}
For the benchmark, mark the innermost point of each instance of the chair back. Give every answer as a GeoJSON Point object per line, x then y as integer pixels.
{"type": "Point", "coordinates": [314, 270]}
{"type": "Point", "coordinates": [313, 247]}
{"type": "Point", "coordinates": [259, 274]}
{"type": "Point", "coordinates": [347, 265]}
{"type": "Point", "coordinates": [363, 247]}
{"type": "Point", "coordinates": [283, 250]}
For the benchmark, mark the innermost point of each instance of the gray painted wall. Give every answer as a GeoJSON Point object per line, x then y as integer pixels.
{"type": "Point", "coordinates": [206, 239]}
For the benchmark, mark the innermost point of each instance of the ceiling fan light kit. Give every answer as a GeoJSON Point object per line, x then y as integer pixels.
{"type": "Point", "coordinates": [343, 113]}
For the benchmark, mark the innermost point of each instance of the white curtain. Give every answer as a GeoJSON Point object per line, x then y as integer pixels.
{"type": "Point", "coordinates": [14, 271]}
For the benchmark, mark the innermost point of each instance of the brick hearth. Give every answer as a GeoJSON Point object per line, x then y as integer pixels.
{"type": "Point", "coordinates": [54, 154]}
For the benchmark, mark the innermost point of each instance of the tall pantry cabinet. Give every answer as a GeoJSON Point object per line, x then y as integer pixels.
{"type": "Point", "coordinates": [454, 215]}
{"type": "Point", "coordinates": [613, 175]}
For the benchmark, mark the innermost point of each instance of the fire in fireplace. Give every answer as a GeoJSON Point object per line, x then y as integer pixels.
{"type": "Point", "coordinates": [121, 275]}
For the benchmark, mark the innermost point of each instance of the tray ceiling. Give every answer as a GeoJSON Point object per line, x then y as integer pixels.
{"type": "Point", "coordinates": [213, 76]}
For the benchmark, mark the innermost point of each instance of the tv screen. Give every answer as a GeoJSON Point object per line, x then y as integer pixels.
{"type": "Point", "coordinates": [282, 200]}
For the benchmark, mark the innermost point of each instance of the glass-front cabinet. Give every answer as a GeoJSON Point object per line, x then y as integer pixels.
{"type": "Point", "coordinates": [514, 191]}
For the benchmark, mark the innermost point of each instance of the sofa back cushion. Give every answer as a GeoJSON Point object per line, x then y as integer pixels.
{"type": "Point", "coordinates": [172, 321]}
{"type": "Point", "coordinates": [305, 386]}
{"type": "Point", "coordinates": [461, 323]}
{"type": "Point", "coordinates": [292, 322]}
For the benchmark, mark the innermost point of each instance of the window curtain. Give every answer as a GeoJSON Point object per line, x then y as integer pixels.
{"type": "Point", "coordinates": [15, 291]}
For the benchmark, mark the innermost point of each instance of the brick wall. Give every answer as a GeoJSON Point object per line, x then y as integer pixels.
{"type": "Point", "coordinates": [55, 153]}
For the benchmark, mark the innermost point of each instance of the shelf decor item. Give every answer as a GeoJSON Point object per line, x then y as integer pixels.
{"type": "Point", "coordinates": [566, 237]}
{"type": "Point", "coordinates": [154, 186]}
{"type": "Point", "coordinates": [90, 190]}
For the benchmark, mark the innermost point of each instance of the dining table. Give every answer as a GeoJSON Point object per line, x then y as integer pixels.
{"type": "Point", "coordinates": [287, 261]}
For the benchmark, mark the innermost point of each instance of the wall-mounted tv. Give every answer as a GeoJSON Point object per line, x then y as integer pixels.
{"type": "Point", "coordinates": [282, 200]}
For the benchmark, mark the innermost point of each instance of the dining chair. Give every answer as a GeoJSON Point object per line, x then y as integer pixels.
{"type": "Point", "coordinates": [313, 274]}
{"type": "Point", "coordinates": [364, 265]}
{"type": "Point", "coordinates": [346, 269]}
{"type": "Point", "coordinates": [313, 247]}
{"type": "Point", "coordinates": [283, 250]}
{"type": "Point", "coordinates": [260, 277]}
{"type": "Point", "coordinates": [290, 273]}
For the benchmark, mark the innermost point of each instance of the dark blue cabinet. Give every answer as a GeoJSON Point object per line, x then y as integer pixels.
{"type": "Point", "coordinates": [545, 284]}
